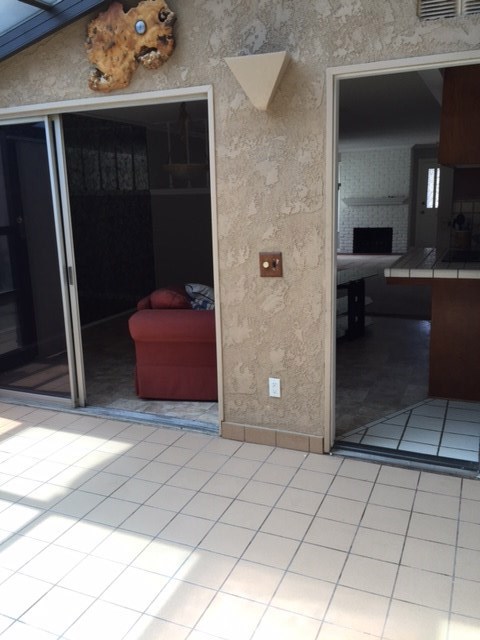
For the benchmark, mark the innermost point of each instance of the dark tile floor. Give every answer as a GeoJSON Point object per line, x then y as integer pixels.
{"type": "Point", "coordinates": [382, 372]}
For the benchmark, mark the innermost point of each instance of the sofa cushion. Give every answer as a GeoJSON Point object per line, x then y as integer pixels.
{"type": "Point", "coordinates": [201, 296]}
{"type": "Point", "coordinates": [172, 325]}
{"type": "Point", "coordinates": [169, 299]}
{"type": "Point", "coordinates": [144, 303]}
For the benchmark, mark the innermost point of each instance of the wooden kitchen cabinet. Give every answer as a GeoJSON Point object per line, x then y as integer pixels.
{"type": "Point", "coordinates": [454, 370]}
{"type": "Point", "coordinates": [460, 119]}
{"type": "Point", "coordinates": [455, 340]}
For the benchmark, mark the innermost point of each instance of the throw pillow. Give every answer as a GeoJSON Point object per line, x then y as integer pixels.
{"type": "Point", "coordinates": [169, 299]}
{"type": "Point", "coordinates": [201, 296]}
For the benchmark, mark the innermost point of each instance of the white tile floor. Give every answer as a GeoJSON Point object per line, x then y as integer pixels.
{"type": "Point", "coordinates": [445, 428]}
{"type": "Point", "coordinates": [113, 531]}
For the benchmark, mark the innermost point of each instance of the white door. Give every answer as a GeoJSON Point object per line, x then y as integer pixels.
{"type": "Point", "coordinates": [427, 203]}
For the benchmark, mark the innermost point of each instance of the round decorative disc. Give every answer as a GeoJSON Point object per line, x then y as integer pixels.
{"type": "Point", "coordinates": [140, 27]}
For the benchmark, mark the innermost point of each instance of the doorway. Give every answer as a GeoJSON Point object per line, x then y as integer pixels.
{"type": "Point", "coordinates": [141, 220]}
{"type": "Point", "coordinates": [112, 241]}
{"type": "Point", "coordinates": [426, 182]}
{"type": "Point", "coordinates": [380, 401]}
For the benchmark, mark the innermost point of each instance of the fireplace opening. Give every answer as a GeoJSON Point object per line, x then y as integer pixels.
{"type": "Point", "coordinates": [372, 239]}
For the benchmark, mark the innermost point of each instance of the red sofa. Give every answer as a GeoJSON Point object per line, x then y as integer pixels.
{"type": "Point", "coordinates": [175, 349]}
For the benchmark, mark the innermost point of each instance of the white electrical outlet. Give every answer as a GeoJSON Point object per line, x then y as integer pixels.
{"type": "Point", "coordinates": [274, 387]}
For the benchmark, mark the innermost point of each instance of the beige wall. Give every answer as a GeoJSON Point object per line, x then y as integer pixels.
{"type": "Point", "coordinates": [270, 168]}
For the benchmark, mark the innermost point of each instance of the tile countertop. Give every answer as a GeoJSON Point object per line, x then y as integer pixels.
{"type": "Point", "coordinates": [425, 263]}
{"type": "Point", "coordinates": [351, 274]}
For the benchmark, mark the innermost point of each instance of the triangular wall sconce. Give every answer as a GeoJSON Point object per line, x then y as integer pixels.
{"type": "Point", "coordinates": [259, 75]}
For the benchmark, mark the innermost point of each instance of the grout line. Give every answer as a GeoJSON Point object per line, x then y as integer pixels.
{"type": "Point", "coordinates": [443, 429]}
{"type": "Point", "coordinates": [399, 563]}
{"type": "Point", "coordinates": [455, 554]}
{"type": "Point", "coordinates": [404, 429]}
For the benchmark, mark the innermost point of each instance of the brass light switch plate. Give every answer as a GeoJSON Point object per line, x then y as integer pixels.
{"type": "Point", "coordinates": [271, 265]}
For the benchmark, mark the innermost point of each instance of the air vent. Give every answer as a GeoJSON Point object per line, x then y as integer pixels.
{"type": "Point", "coordinates": [431, 9]}
{"type": "Point", "coordinates": [471, 6]}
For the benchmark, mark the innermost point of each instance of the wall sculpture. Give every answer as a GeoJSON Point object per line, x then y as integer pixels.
{"type": "Point", "coordinates": [118, 41]}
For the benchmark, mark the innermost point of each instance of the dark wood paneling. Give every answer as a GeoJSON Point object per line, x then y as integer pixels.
{"type": "Point", "coordinates": [455, 340]}
{"type": "Point", "coordinates": [466, 183]}
{"type": "Point", "coordinates": [460, 119]}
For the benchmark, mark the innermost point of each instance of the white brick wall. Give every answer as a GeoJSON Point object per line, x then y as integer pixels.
{"type": "Point", "coordinates": [374, 173]}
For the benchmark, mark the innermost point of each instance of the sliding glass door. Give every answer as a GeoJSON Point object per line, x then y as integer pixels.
{"type": "Point", "coordinates": [36, 345]}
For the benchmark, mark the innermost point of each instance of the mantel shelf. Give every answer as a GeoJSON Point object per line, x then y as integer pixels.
{"type": "Point", "coordinates": [376, 201]}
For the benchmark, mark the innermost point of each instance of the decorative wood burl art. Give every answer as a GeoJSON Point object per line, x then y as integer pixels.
{"type": "Point", "coordinates": [118, 41]}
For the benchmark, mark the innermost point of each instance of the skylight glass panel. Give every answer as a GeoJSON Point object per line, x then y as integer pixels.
{"type": "Point", "coordinates": [14, 12]}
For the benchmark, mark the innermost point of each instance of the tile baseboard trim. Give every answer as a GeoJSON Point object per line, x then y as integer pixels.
{"type": "Point", "coordinates": [272, 437]}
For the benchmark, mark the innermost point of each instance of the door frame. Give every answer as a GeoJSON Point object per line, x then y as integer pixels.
{"type": "Point", "coordinates": [51, 112]}
{"type": "Point", "coordinates": [63, 230]}
{"type": "Point", "coordinates": [333, 77]}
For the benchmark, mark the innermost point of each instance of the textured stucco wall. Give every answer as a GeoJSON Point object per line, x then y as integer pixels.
{"type": "Point", "coordinates": [270, 167]}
